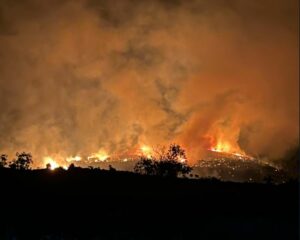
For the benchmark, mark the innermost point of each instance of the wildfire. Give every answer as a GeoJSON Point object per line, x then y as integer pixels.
{"type": "Point", "coordinates": [146, 151]}
{"type": "Point", "coordinates": [73, 159]}
{"type": "Point", "coordinates": [53, 164]}
{"type": "Point", "coordinates": [226, 147]}
{"type": "Point", "coordinates": [221, 147]}
{"type": "Point", "coordinates": [101, 155]}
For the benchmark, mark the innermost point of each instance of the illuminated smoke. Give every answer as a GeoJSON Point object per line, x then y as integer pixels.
{"type": "Point", "coordinates": [79, 76]}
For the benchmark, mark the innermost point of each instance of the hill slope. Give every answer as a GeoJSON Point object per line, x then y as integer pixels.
{"type": "Point", "coordinates": [97, 204]}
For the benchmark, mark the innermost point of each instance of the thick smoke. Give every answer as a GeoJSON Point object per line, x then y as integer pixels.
{"type": "Point", "coordinates": [79, 76]}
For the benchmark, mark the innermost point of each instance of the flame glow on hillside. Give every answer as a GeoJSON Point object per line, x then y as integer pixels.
{"type": "Point", "coordinates": [74, 159]}
{"type": "Point", "coordinates": [142, 150]}
{"type": "Point", "coordinates": [146, 151]}
{"type": "Point", "coordinates": [101, 156]}
{"type": "Point", "coordinates": [227, 148]}
{"type": "Point", "coordinates": [49, 160]}
{"type": "Point", "coordinates": [221, 147]}
{"type": "Point", "coordinates": [53, 163]}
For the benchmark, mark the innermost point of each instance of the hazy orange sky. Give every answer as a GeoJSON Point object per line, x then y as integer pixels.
{"type": "Point", "coordinates": [79, 76]}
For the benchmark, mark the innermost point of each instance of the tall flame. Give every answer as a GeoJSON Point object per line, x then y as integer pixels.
{"type": "Point", "coordinates": [222, 146]}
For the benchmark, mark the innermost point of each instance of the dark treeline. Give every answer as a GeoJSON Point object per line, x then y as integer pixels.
{"type": "Point", "coordinates": [167, 163]}
{"type": "Point", "coordinates": [150, 203]}
{"type": "Point", "coordinates": [23, 161]}
{"type": "Point", "coordinates": [83, 203]}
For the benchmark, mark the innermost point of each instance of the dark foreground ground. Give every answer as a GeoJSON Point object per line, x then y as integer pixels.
{"type": "Point", "coordinates": [86, 204]}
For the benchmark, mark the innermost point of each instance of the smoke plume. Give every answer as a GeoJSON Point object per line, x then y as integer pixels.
{"type": "Point", "coordinates": [79, 76]}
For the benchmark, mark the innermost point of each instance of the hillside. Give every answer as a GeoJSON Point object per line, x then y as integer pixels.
{"type": "Point", "coordinates": [99, 204]}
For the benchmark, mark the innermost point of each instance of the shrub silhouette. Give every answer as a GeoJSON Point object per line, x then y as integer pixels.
{"type": "Point", "coordinates": [146, 166]}
{"type": "Point", "coordinates": [48, 166]}
{"type": "Point", "coordinates": [168, 163]}
{"type": "Point", "coordinates": [22, 162]}
{"type": "Point", "coordinates": [72, 166]}
{"type": "Point", "coordinates": [3, 160]}
{"type": "Point", "coordinates": [111, 168]}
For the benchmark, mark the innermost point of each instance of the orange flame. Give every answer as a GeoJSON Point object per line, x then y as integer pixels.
{"type": "Point", "coordinates": [226, 147]}
{"type": "Point", "coordinates": [100, 156]}
{"type": "Point", "coordinates": [221, 147]}
{"type": "Point", "coordinates": [146, 151]}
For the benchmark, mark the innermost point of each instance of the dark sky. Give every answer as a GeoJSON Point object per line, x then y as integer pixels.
{"type": "Point", "coordinates": [79, 76]}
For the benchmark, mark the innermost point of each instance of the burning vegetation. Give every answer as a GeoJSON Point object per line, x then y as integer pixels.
{"type": "Point", "coordinates": [220, 162]}
{"type": "Point", "coordinates": [77, 92]}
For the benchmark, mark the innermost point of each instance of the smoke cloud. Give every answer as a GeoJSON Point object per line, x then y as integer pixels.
{"type": "Point", "coordinates": [79, 76]}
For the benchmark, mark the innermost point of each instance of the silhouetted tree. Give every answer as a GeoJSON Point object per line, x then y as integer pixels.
{"type": "Point", "coordinates": [146, 166]}
{"type": "Point", "coordinates": [171, 168]}
{"type": "Point", "coordinates": [71, 167]}
{"type": "Point", "coordinates": [22, 162]}
{"type": "Point", "coordinates": [111, 168]}
{"type": "Point", "coordinates": [176, 153]}
{"type": "Point", "coordinates": [48, 166]}
{"type": "Point", "coordinates": [3, 160]}
{"type": "Point", "coordinates": [168, 163]}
